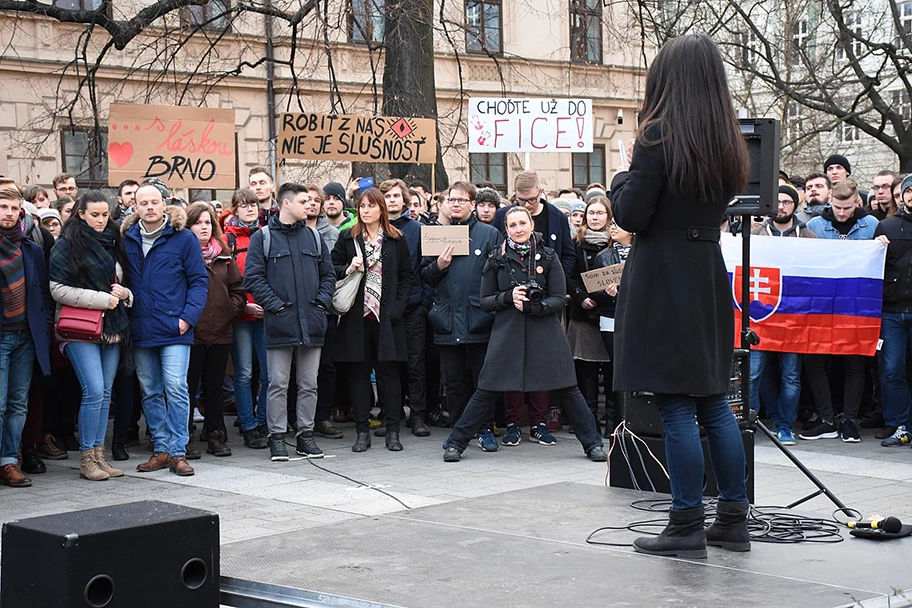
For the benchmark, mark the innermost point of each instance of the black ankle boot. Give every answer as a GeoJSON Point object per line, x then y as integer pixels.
{"type": "Point", "coordinates": [119, 447]}
{"type": "Point", "coordinates": [392, 440]}
{"type": "Point", "coordinates": [682, 537]}
{"type": "Point", "coordinates": [729, 531]}
{"type": "Point", "coordinates": [362, 441]}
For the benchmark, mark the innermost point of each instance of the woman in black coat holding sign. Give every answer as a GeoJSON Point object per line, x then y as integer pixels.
{"type": "Point", "coordinates": [523, 284]}
{"type": "Point", "coordinates": [675, 318]}
{"type": "Point", "coordinates": [371, 335]}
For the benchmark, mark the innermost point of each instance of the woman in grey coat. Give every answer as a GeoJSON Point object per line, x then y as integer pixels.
{"type": "Point", "coordinates": [523, 284]}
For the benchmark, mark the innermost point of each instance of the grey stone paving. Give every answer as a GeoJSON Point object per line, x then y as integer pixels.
{"type": "Point", "coordinates": [255, 497]}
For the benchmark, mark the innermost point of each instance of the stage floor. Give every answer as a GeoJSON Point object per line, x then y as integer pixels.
{"type": "Point", "coordinates": [526, 548]}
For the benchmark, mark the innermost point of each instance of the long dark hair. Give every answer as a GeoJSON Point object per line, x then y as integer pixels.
{"type": "Point", "coordinates": [196, 210]}
{"type": "Point", "coordinates": [375, 196]}
{"type": "Point", "coordinates": [78, 239]}
{"type": "Point", "coordinates": [688, 98]}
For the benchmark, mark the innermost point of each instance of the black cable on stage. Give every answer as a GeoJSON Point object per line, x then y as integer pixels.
{"type": "Point", "coordinates": [775, 525]}
{"type": "Point", "coordinates": [351, 479]}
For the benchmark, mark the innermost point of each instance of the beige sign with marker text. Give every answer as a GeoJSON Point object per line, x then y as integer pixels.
{"type": "Point", "coordinates": [434, 239]}
{"type": "Point", "coordinates": [600, 278]}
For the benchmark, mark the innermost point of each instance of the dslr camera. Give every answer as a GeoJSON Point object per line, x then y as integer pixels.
{"type": "Point", "coordinates": [534, 291]}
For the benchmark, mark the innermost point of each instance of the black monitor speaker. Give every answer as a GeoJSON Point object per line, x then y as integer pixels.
{"type": "Point", "coordinates": [761, 195]}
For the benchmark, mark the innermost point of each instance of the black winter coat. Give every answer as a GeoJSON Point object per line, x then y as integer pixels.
{"type": "Point", "coordinates": [457, 316]}
{"type": "Point", "coordinates": [675, 315]}
{"type": "Point", "coordinates": [528, 350]}
{"type": "Point", "coordinates": [398, 279]}
{"type": "Point", "coordinates": [295, 285]}
{"type": "Point", "coordinates": [897, 292]}
{"type": "Point", "coordinates": [587, 258]}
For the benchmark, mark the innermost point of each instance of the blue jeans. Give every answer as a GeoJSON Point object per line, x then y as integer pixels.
{"type": "Point", "coordinates": [680, 414]}
{"type": "Point", "coordinates": [95, 366]}
{"type": "Point", "coordinates": [17, 357]}
{"type": "Point", "coordinates": [162, 372]}
{"type": "Point", "coordinates": [896, 333]}
{"type": "Point", "coordinates": [786, 410]}
{"type": "Point", "coordinates": [249, 341]}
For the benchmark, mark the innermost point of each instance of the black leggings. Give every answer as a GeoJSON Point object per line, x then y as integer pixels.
{"type": "Point", "coordinates": [819, 383]}
{"type": "Point", "coordinates": [389, 388]}
{"type": "Point", "coordinates": [208, 363]}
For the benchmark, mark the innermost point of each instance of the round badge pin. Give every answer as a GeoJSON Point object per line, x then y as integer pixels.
{"type": "Point", "coordinates": [478, 252]}
{"type": "Point", "coordinates": [539, 270]}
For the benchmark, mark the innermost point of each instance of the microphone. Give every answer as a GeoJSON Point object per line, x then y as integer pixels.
{"type": "Point", "coordinates": [887, 524]}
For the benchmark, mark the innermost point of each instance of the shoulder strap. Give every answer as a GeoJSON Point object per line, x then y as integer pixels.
{"type": "Point", "coordinates": [267, 241]}
{"type": "Point", "coordinates": [319, 240]}
{"type": "Point", "coordinates": [232, 243]}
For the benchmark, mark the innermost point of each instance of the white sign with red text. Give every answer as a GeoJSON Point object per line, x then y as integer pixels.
{"type": "Point", "coordinates": [530, 125]}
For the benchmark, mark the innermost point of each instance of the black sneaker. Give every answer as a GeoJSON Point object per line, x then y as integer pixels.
{"type": "Point", "coordinates": [597, 454]}
{"type": "Point", "coordinates": [811, 422]}
{"type": "Point", "coordinates": [277, 451]}
{"type": "Point", "coordinates": [824, 430]}
{"type": "Point", "coordinates": [849, 432]}
{"type": "Point", "coordinates": [254, 439]}
{"type": "Point", "coordinates": [307, 446]}
{"type": "Point", "coordinates": [451, 455]}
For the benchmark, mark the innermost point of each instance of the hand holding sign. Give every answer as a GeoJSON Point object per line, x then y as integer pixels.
{"type": "Point", "coordinates": [607, 279]}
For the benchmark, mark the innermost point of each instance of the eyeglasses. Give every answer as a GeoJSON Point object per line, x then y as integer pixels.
{"type": "Point", "coordinates": [875, 187]}
{"type": "Point", "coordinates": [248, 206]}
{"type": "Point", "coordinates": [459, 201]}
{"type": "Point", "coordinates": [786, 203]}
{"type": "Point", "coordinates": [528, 201]}
{"type": "Point", "coordinates": [613, 224]}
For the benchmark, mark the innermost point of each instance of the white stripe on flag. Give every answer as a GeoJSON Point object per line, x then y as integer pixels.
{"type": "Point", "coordinates": [823, 258]}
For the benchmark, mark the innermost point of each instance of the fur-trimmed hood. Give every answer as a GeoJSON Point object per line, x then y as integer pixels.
{"type": "Point", "coordinates": [175, 213]}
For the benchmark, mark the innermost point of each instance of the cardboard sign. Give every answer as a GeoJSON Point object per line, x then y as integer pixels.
{"type": "Point", "coordinates": [184, 147]}
{"type": "Point", "coordinates": [530, 125]}
{"type": "Point", "coordinates": [600, 278]}
{"type": "Point", "coordinates": [434, 239]}
{"type": "Point", "coordinates": [358, 138]}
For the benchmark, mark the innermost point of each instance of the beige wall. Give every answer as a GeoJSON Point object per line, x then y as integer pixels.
{"type": "Point", "coordinates": [33, 95]}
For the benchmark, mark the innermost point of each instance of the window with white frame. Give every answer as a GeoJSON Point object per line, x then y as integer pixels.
{"type": "Point", "coordinates": [793, 122]}
{"type": "Point", "coordinates": [800, 43]}
{"type": "Point", "coordinates": [900, 103]}
{"type": "Point", "coordinates": [904, 12]}
{"type": "Point", "coordinates": [850, 37]}
{"type": "Point", "coordinates": [849, 133]}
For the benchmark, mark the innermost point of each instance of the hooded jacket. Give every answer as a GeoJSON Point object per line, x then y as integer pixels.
{"type": "Point", "coordinates": [897, 293]}
{"type": "Point", "coordinates": [169, 284]}
{"type": "Point", "coordinates": [770, 228]}
{"type": "Point", "coordinates": [329, 232]}
{"type": "Point", "coordinates": [862, 229]}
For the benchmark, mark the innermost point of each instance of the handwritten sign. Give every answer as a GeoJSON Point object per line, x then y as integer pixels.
{"type": "Point", "coordinates": [358, 138]}
{"type": "Point", "coordinates": [600, 278]}
{"type": "Point", "coordinates": [530, 125]}
{"type": "Point", "coordinates": [434, 239]}
{"type": "Point", "coordinates": [184, 147]}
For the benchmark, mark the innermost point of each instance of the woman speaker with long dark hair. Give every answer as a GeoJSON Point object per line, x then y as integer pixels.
{"type": "Point", "coordinates": [675, 319]}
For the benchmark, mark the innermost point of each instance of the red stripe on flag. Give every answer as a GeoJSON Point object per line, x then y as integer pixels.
{"type": "Point", "coordinates": [815, 334]}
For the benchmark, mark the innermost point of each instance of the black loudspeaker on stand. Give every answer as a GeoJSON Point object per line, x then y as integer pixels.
{"type": "Point", "coordinates": [146, 554]}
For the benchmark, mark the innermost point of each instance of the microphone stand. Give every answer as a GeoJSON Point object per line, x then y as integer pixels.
{"type": "Point", "coordinates": [750, 338]}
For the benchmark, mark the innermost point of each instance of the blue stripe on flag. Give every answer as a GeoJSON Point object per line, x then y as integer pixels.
{"type": "Point", "coordinates": [851, 296]}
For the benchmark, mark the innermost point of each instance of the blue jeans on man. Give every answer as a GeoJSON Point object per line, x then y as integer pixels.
{"type": "Point", "coordinates": [17, 357]}
{"type": "Point", "coordinates": [249, 342]}
{"type": "Point", "coordinates": [785, 410]}
{"type": "Point", "coordinates": [896, 333]}
{"type": "Point", "coordinates": [162, 372]}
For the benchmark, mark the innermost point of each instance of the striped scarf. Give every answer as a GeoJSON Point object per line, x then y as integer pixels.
{"type": "Point", "coordinates": [12, 277]}
{"type": "Point", "coordinates": [373, 284]}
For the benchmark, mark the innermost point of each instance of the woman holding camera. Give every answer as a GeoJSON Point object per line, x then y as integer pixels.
{"type": "Point", "coordinates": [524, 285]}
{"type": "Point", "coordinates": [675, 318]}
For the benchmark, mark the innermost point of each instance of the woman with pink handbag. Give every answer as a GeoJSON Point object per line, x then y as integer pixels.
{"type": "Point", "coordinates": [86, 272]}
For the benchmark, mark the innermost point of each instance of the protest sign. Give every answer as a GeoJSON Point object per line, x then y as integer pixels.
{"type": "Point", "coordinates": [434, 239]}
{"type": "Point", "coordinates": [530, 125]}
{"type": "Point", "coordinates": [184, 147]}
{"type": "Point", "coordinates": [600, 278]}
{"type": "Point", "coordinates": [358, 138]}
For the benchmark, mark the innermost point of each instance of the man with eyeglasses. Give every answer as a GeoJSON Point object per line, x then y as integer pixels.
{"type": "Point", "coordinates": [548, 219]}
{"type": "Point", "coordinates": [65, 185]}
{"type": "Point", "coordinates": [784, 410]}
{"type": "Point", "coordinates": [461, 328]}
{"type": "Point", "coordinates": [882, 185]}
{"type": "Point", "coordinates": [415, 318]}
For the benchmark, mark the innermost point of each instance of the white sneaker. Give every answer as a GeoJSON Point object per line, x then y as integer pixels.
{"type": "Point", "coordinates": [197, 417]}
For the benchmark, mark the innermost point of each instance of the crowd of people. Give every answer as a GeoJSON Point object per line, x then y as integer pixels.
{"type": "Point", "coordinates": [212, 308]}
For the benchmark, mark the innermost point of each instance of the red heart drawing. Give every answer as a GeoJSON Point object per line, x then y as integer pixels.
{"type": "Point", "coordinates": [120, 153]}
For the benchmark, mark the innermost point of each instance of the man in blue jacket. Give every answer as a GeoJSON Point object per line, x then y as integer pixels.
{"type": "Point", "coordinates": [549, 221]}
{"type": "Point", "coordinates": [169, 282]}
{"type": "Point", "coordinates": [461, 328]}
{"type": "Point", "coordinates": [25, 317]}
{"type": "Point", "coordinates": [295, 288]}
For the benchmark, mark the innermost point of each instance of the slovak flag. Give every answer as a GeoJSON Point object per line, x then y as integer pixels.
{"type": "Point", "coordinates": [810, 296]}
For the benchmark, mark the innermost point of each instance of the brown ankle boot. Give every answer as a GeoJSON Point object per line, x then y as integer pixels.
{"type": "Point", "coordinates": [103, 463]}
{"type": "Point", "coordinates": [180, 466]}
{"type": "Point", "coordinates": [156, 462]}
{"type": "Point", "coordinates": [89, 469]}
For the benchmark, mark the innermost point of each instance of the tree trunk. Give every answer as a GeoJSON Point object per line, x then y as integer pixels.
{"type": "Point", "coordinates": [409, 88]}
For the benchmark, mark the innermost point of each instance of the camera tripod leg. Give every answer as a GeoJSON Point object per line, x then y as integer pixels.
{"type": "Point", "coordinates": [821, 489]}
